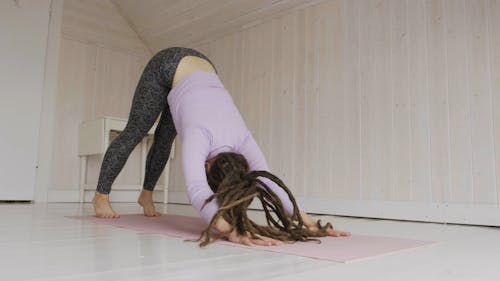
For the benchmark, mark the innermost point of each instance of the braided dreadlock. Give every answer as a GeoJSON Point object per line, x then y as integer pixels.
{"type": "Point", "coordinates": [235, 187]}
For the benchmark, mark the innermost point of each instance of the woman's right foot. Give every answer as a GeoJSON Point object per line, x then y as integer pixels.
{"type": "Point", "coordinates": [102, 206]}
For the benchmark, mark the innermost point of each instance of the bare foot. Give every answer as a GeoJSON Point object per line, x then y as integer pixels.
{"type": "Point", "coordinates": [102, 206]}
{"type": "Point", "coordinates": [146, 201]}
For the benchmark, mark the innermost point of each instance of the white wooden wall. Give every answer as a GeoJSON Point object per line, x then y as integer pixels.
{"type": "Point", "coordinates": [101, 60]}
{"type": "Point", "coordinates": [383, 108]}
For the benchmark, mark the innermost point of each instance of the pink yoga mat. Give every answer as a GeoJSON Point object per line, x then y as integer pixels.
{"type": "Point", "coordinates": [340, 249]}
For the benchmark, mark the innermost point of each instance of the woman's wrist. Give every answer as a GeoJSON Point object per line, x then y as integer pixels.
{"type": "Point", "coordinates": [308, 221]}
{"type": "Point", "coordinates": [222, 226]}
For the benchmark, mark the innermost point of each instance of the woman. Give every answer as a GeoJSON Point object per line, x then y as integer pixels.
{"type": "Point", "coordinates": [182, 84]}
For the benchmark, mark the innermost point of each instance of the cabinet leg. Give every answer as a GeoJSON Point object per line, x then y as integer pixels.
{"type": "Point", "coordinates": [83, 176]}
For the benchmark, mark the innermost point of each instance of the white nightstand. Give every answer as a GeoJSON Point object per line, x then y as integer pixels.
{"type": "Point", "coordinates": [94, 139]}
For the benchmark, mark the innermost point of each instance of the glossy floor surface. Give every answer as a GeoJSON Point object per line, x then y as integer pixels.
{"type": "Point", "coordinates": [38, 243]}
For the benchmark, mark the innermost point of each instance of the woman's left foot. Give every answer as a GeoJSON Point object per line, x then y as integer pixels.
{"type": "Point", "coordinates": [146, 201]}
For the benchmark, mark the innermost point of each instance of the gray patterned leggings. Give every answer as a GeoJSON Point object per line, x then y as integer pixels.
{"type": "Point", "coordinates": [150, 99]}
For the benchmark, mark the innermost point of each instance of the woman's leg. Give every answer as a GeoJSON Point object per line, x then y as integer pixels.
{"type": "Point", "coordinates": [158, 156]}
{"type": "Point", "coordinates": [150, 98]}
{"type": "Point", "coordinates": [160, 150]}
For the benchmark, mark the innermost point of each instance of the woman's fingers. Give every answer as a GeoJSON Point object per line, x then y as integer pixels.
{"type": "Point", "coordinates": [333, 232]}
{"type": "Point", "coordinates": [243, 239]}
{"type": "Point", "coordinates": [246, 241]}
{"type": "Point", "coordinates": [261, 242]}
{"type": "Point", "coordinates": [337, 233]}
{"type": "Point", "coordinates": [249, 241]}
{"type": "Point", "coordinates": [313, 228]}
{"type": "Point", "coordinates": [330, 231]}
{"type": "Point", "coordinates": [345, 233]}
{"type": "Point", "coordinates": [239, 239]}
{"type": "Point", "coordinates": [269, 239]}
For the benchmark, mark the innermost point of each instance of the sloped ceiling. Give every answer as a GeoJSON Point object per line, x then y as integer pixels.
{"type": "Point", "coordinates": [166, 23]}
{"type": "Point", "coordinates": [100, 23]}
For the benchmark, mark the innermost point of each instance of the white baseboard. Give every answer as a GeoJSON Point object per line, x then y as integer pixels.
{"type": "Point", "coordinates": [62, 195]}
{"type": "Point", "coordinates": [411, 211]}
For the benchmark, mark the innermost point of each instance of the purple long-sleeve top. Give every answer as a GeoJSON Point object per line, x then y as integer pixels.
{"type": "Point", "coordinates": [208, 123]}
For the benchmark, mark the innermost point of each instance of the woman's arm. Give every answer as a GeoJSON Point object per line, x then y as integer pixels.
{"type": "Point", "coordinates": [195, 149]}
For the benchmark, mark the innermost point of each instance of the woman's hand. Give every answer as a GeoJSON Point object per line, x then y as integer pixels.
{"type": "Point", "coordinates": [249, 241]}
{"type": "Point", "coordinates": [223, 227]}
{"type": "Point", "coordinates": [311, 225]}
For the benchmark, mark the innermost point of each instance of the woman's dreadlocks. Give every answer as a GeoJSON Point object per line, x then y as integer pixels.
{"type": "Point", "coordinates": [235, 187]}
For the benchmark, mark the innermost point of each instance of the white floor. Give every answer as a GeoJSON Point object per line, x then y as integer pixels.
{"type": "Point", "coordinates": [38, 243]}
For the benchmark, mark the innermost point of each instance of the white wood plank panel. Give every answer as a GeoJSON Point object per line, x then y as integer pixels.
{"type": "Point", "coordinates": [253, 101]}
{"type": "Point", "coordinates": [202, 9]}
{"type": "Point", "coordinates": [107, 20]}
{"type": "Point", "coordinates": [299, 109]}
{"type": "Point", "coordinates": [380, 104]}
{"type": "Point", "coordinates": [438, 102]}
{"type": "Point", "coordinates": [401, 101]}
{"type": "Point", "coordinates": [237, 66]}
{"type": "Point", "coordinates": [478, 57]}
{"type": "Point", "coordinates": [166, 23]}
{"type": "Point", "coordinates": [113, 94]}
{"type": "Point", "coordinates": [246, 70]}
{"type": "Point", "coordinates": [147, 10]}
{"type": "Point", "coordinates": [494, 30]}
{"type": "Point", "coordinates": [85, 34]}
{"type": "Point", "coordinates": [274, 157]}
{"type": "Point", "coordinates": [365, 72]}
{"type": "Point", "coordinates": [460, 130]}
{"type": "Point", "coordinates": [150, 14]}
{"type": "Point", "coordinates": [312, 91]}
{"type": "Point", "coordinates": [209, 19]}
{"type": "Point", "coordinates": [228, 64]}
{"type": "Point", "coordinates": [377, 113]}
{"type": "Point", "coordinates": [218, 58]}
{"type": "Point", "coordinates": [100, 11]}
{"type": "Point", "coordinates": [419, 111]}
{"type": "Point", "coordinates": [287, 125]}
{"type": "Point", "coordinates": [367, 80]}
{"type": "Point", "coordinates": [263, 69]}
{"type": "Point", "coordinates": [99, 22]}
{"type": "Point", "coordinates": [205, 48]}
{"type": "Point", "coordinates": [73, 104]}
{"type": "Point", "coordinates": [325, 129]}
{"type": "Point", "coordinates": [334, 67]}
{"type": "Point", "coordinates": [351, 69]}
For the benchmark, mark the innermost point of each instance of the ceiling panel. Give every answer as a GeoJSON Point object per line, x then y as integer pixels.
{"type": "Point", "coordinates": [166, 23]}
